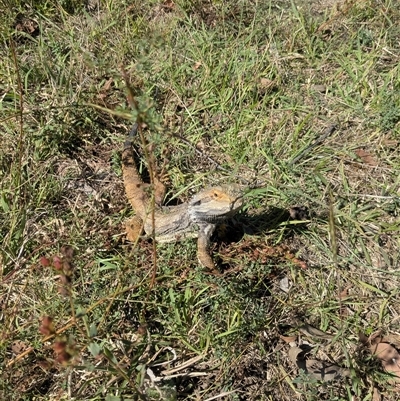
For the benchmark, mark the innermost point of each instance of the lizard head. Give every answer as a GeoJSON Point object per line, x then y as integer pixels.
{"type": "Point", "coordinates": [215, 204]}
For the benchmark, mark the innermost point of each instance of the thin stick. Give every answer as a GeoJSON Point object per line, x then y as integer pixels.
{"type": "Point", "coordinates": [139, 120]}
{"type": "Point", "coordinates": [317, 142]}
{"type": "Point", "coordinates": [21, 116]}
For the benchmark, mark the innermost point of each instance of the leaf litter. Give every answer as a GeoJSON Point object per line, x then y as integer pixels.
{"type": "Point", "coordinates": [381, 347]}
{"type": "Point", "coordinates": [318, 369]}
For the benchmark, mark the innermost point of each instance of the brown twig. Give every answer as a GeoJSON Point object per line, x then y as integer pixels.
{"type": "Point", "coordinates": [328, 131]}
{"type": "Point", "coordinates": [139, 120]}
{"type": "Point", "coordinates": [21, 117]}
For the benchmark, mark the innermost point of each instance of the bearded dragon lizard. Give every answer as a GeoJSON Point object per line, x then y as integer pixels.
{"type": "Point", "coordinates": [196, 218]}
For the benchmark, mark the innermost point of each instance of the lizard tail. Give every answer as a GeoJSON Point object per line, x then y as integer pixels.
{"type": "Point", "coordinates": [131, 137]}
{"type": "Point", "coordinates": [134, 186]}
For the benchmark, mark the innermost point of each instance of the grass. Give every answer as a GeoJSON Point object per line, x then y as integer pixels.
{"type": "Point", "coordinates": [252, 85]}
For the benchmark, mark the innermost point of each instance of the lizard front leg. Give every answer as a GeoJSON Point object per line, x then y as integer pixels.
{"type": "Point", "coordinates": [203, 242]}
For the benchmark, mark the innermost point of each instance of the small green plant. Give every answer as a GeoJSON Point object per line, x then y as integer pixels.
{"type": "Point", "coordinates": [390, 113]}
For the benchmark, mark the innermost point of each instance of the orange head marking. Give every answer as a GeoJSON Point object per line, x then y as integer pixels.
{"type": "Point", "coordinates": [219, 195]}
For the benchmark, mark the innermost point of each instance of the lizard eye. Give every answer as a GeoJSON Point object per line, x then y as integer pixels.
{"type": "Point", "coordinates": [215, 194]}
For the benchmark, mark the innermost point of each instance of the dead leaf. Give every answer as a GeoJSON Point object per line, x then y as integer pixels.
{"type": "Point", "coordinates": [366, 157]}
{"type": "Point", "coordinates": [293, 353]}
{"type": "Point", "coordinates": [373, 339]}
{"type": "Point", "coordinates": [389, 357]}
{"type": "Point", "coordinates": [107, 84]}
{"type": "Point", "coordinates": [47, 326]}
{"type": "Point", "coordinates": [376, 396]}
{"type": "Point", "coordinates": [285, 284]}
{"type": "Point", "coordinates": [288, 339]}
{"type": "Point", "coordinates": [345, 293]}
{"type": "Point", "coordinates": [320, 370]}
{"type": "Point", "coordinates": [313, 332]}
{"type": "Point", "coordinates": [18, 346]}
{"type": "Point", "coordinates": [384, 351]}
{"type": "Point", "coordinates": [28, 26]}
{"type": "Point", "coordinates": [319, 88]}
{"type": "Point", "coordinates": [168, 5]}
{"type": "Point", "coordinates": [325, 371]}
{"type": "Point", "coordinates": [266, 83]}
{"type": "Point", "coordinates": [105, 89]}
{"type": "Point", "coordinates": [197, 65]}
{"type": "Point", "coordinates": [393, 339]}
